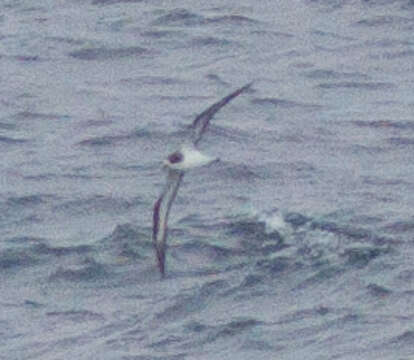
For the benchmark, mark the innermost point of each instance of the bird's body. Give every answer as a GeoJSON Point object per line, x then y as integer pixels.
{"type": "Point", "coordinates": [177, 163]}
{"type": "Point", "coordinates": [188, 157]}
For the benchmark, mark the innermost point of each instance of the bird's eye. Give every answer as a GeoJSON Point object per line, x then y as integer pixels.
{"type": "Point", "coordinates": [175, 157]}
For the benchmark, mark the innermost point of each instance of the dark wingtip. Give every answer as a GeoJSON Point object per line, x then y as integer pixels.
{"type": "Point", "coordinates": [248, 85]}
{"type": "Point", "coordinates": [244, 88]}
{"type": "Point", "coordinates": [161, 262]}
{"type": "Point", "coordinates": [201, 121]}
{"type": "Point", "coordinates": [240, 90]}
{"type": "Point", "coordinates": [160, 252]}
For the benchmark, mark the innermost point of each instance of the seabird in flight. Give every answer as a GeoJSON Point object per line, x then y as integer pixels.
{"type": "Point", "coordinates": [177, 163]}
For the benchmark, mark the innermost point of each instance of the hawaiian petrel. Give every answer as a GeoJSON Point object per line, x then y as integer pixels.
{"type": "Point", "coordinates": [177, 163]}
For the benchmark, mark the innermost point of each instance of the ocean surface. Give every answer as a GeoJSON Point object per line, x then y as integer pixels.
{"type": "Point", "coordinates": [297, 244]}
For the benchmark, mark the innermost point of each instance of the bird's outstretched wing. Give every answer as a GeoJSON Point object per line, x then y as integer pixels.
{"type": "Point", "coordinates": [160, 216]}
{"type": "Point", "coordinates": [163, 205]}
{"type": "Point", "coordinates": [201, 121]}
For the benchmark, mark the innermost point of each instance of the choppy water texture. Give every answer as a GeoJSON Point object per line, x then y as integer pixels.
{"type": "Point", "coordinates": [298, 244]}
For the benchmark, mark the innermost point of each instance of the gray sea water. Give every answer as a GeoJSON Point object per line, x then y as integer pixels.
{"type": "Point", "coordinates": [298, 244]}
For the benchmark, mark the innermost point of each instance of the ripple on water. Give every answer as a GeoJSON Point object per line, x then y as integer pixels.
{"type": "Point", "coordinates": [385, 20]}
{"type": "Point", "coordinates": [86, 270]}
{"type": "Point", "coordinates": [193, 300]}
{"type": "Point", "coordinates": [185, 18]}
{"type": "Point", "coordinates": [111, 2]}
{"type": "Point", "coordinates": [357, 85]}
{"type": "Point", "coordinates": [96, 204]}
{"type": "Point", "coordinates": [179, 17]}
{"type": "Point", "coordinates": [322, 74]}
{"type": "Point", "coordinates": [284, 103]}
{"type": "Point", "coordinates": [11, 141]}
{"type": "Point", "coordinates": [102, 53]}
{"type": "Point", "coordinates": [126, 241]}
{"type": "Point", "coordinates": [234, 328]}
{"type": "Point", "coordinates": [17, 259]}
{"type": "Point", "coordinates": [29, 251]}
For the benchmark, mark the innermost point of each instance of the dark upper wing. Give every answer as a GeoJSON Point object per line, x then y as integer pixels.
{"type": "Point", "coordinates": [160, 216]}
{"type": "Point", "coordinates": [201, 121]}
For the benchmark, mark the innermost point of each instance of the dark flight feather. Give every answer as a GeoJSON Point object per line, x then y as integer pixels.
{"type": "Point", "coordinates": [201, 121]}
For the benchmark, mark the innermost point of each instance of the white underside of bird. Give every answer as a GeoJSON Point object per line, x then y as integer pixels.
{"type": "Point", "coordinates": [191, 158]}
